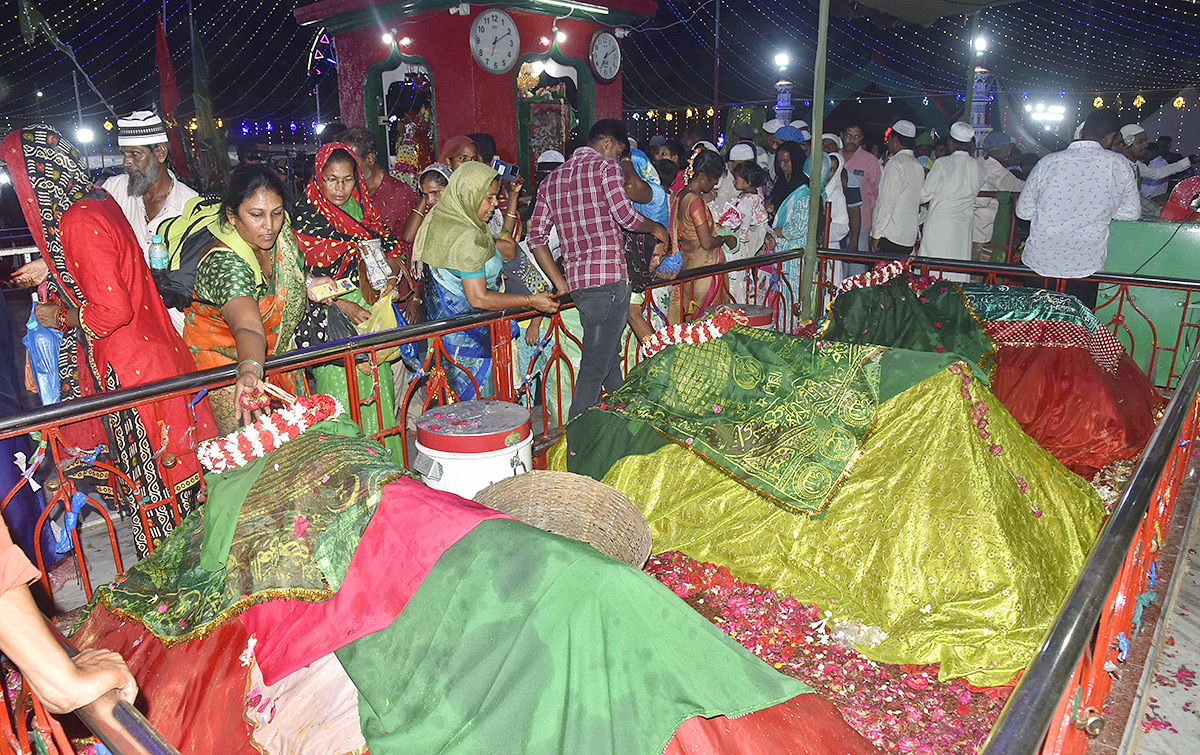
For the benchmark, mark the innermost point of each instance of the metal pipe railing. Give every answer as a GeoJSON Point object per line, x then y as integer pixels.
{"type": "Point", "coordinates": [1027, 717]}
{"type": "Point", "coordinates": [118, 725]}
{"type": "Point", "coordinates": [100, 404]}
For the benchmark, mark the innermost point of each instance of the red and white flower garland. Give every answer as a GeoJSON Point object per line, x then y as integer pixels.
{"type": "Point", "coordinates": [692, 332]}
{"type": "Point", "coordinates": [267, 433]}
{"type": "Point", "coordinates": [884, 273]}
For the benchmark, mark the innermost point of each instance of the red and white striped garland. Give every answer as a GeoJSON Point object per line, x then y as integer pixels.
{"type": "Point", "coordinates": [267, 433]}
{"type": "Point", "coordinates": [692, 332]}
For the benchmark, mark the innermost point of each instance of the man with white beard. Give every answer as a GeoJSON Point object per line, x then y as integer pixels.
{"type": "Point", "coordinates": [147, 191]}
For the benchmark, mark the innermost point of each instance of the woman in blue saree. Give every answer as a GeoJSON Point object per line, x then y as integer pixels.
{"type": "Point", "coordinates": [464, 264]}
{"type": "Point", "coordinates": [790, 199]}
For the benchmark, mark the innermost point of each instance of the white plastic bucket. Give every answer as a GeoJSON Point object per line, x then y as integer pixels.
{"type": "Point", "coordinates": [466, 474]}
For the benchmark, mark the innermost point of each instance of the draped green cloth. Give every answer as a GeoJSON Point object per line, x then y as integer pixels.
{"type": "Point", "coordinates": [783, 415]}
{"type": "Point", "coordinates": [519, 641]}
{"type": "Point", "coordinates": [937, 319]}
{"type": "Point", "coordinates": [288, 524]}
{"type": "Point", "coordinates": [1022, 304]}
{"type": "Point", "coordinates": [928, 537]}
{"type": "Point", "coordinates": [453, 236]}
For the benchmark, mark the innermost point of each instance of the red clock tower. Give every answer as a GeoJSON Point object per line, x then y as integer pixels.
{"type": "Point", "coordinates": [528, 72]}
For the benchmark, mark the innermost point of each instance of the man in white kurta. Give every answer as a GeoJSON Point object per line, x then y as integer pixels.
{"type": "Point", "coordinates": [950, 189]}
{"type": "Point", "coordinates": [997, 147]}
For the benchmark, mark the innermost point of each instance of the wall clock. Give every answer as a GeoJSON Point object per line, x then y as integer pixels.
{"type": "Point", "coordinates": [605, 56]}
{"type": "Point", "coordinates": [495, 41]}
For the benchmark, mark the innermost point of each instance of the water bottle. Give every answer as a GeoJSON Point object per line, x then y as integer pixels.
{"type": "Point", "coordinates": [42, 343]}
{"type": "Point", "coordinates": [158, 253]}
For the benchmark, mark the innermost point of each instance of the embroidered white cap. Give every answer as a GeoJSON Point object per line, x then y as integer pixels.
{"type": "Point", "coordinates": [551, 156]}
{"type": "Point", "coordinates": [1130, 132]}
{"type": "Point", "coordinates": [799, 124]}
{"type": "Point", "coordinates": [741, 152]}
{"type": "Point", "coordinates": [962, 132]}
{"type": "Point", "coordinates": [905, 128]}
{"type": "Point", "coordinates": [773, 125]}
{"type": "Point", "coordinates": [142, 128]}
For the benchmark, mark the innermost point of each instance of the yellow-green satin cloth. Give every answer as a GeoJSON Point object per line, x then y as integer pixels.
{"type": "Point", "coordinates": [928, 538]}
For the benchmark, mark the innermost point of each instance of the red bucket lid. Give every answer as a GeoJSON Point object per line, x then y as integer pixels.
{"type": "Point", "coordinates": [474, 427]}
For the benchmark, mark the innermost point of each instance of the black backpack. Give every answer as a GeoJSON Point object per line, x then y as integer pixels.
{"type": "Point", "coordinates": [187, 239]}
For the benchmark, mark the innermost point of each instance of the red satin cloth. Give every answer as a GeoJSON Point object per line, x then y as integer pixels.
{"type": "Point", "coordinates": [1085, 416]}
{"type": "Point", "coordinates": [804, 725]}
{"type": "Point", "coordinates": [413, 525]}
{"type": "Point", "coordinates": [193, 693]}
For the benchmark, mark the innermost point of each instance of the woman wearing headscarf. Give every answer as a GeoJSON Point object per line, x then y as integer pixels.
{"type": "Point", "coordinates": [505, 219]}
{"type": "Point", "coordinates": [464, 264]}
{"type": "Point", "coordinates": [431, 182]}
{"type": "Point", "coordinates": [116, 330]}
{"type": "Point", "coordinates": [332, 222]}
{"type": "Point", "coordinates": [790, 198]}
{"type": "Point", "coordinates": [458, 151]}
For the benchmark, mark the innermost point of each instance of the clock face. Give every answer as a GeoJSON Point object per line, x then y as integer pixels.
{"type": "Point", "coordinates": [605, 56]}
{"type": "Point", "coordinates": [495, 42]}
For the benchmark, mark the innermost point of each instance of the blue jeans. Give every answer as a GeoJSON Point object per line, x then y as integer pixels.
{"type": "Point", "coordinates": [603, 311]}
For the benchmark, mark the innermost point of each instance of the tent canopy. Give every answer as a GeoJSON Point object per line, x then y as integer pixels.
{"type": "Point", "coordinates": [922, 12]}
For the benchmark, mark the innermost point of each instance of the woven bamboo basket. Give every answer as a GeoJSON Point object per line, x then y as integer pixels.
{"type": "Point", "coordinates": [577, 507]}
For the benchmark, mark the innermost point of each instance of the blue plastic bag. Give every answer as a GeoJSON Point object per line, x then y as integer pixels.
{"type": "Point", "coordinates": [42, 344]}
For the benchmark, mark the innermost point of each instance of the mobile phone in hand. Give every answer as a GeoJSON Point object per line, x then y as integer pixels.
{"type": "Point", "coordinates": [507, 171]}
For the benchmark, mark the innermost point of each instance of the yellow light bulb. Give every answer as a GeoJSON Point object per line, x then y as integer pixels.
{"type": "Point", "coordinates": [1139, 101]}
{"type": "Point", "coordinates": [1098, 102]}
{"type": "Point", "coordinates": [1179, 103]}
{"type": "Point", "coordinates": [711, 112]}
{"type": "Point", "coordinates": [670, 116]}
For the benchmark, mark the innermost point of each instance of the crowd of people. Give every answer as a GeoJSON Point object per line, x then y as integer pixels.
{"type": "Point", "coordinates": [360, 250]}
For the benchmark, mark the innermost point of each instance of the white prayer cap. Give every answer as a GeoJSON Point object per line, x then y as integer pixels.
{"type": "Point", "coordinates": [142, 128]}
{"type": "Point", "coordinates": [632, 143]}
{"type": "Point", "coordinates": [706, 145]}
{"type": "Point", "coordinates": [905, 128]}
{"type": "Point", "coordinates": [962, 132]}
{"type": "Point", "coordinates": [807, 133]}
{"type": "Point", "coordinates": [1130, 132]}
{"type": "Point", "coordinates": [799, 124]}
{"type": "Point", "coordinates": [741, 152]}
{"type": "Point", "coordinates": [551, 156]}
{"type": "Point", "coordinates": [773, 125]}
{"type": "Point", "coordinates": [833, 138]}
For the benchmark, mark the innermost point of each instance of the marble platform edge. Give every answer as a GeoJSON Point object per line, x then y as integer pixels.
{"type": "Point", "coordinates": [1132, 738]}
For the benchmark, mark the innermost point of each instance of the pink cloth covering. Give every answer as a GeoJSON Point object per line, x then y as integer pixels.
{"type": "Point", "coordinates": [412, 527]}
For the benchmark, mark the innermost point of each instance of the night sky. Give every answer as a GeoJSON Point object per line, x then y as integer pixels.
{"type": "Point", "coordinates": [258, 54]}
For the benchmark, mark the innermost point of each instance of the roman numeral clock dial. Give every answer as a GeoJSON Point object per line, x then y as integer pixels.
{"type": "Point", "coordinates": [495, 42]}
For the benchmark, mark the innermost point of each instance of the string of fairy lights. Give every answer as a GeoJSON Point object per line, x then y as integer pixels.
{"type": "Point", "coordinates": [1129, 53]}
{"type": "Point", "coordinates": [1143, 45]}
{"type": "Point", "coordinates": [262, 36]}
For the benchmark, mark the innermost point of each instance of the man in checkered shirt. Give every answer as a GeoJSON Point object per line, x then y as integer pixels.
{"type": "Point", "coordinates": [585, 200]}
